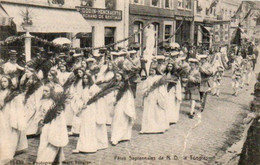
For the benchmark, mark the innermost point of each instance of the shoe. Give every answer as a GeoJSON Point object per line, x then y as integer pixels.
{"type": "Point", "coordinates": [191, 116]}
{"type": "Point", "coordinates": [75, 151]}
{"type": "Point", "coordinates": [114, 143]}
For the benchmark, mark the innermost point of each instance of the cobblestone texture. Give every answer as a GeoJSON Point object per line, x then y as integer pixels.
{"type": "Point", "coordinates": [221, 116]}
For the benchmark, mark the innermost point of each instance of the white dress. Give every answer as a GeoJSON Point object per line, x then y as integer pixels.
{"type": "Point", "coordinates": [54, 136]}
{"type": "Point", "coordinates": [5, 134]}
{"type": "Point", "coordinates": [123, 120]}
{"type": "Point", "coordinates": [109, 99]}
{"type": "Point", "coordinates": [75, 92]}
{"type": "Point", "coordinates": [154, 115]}
{"type": "Point", "coordinates": [170, 98]}
{"type": "Point", "coordinates": [16, 123]}
{"type": "Point", "coordinates": [93, 132]}
{"type": "Point", "coordinates": [40, 113]}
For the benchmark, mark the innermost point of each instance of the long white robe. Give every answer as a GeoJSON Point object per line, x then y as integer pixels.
{"type": "Point", "coordinates": [5, 134]}
{"type": "Point", "coordinates": [154, 115]}
{"type": "Point", "coordinates": [75, 92]}
{"type": "Point", "coordinates": [40, 112]}
{"type": "Point", "coordinates": [123, 120]}
{"type": "Point", "coordinates": [93, 132]}
{"type": "Point", "coordinates": [16, 123]}
{"type": "Point", "coordinates": [171, 111]}
{"type": "Point", "coordinates": [108, 99]}
{"type": "Point", "coordinates": [54, 136]}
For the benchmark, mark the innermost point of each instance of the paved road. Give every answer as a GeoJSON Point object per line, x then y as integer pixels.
{"type": "Point", "coordinates": [190, 141]}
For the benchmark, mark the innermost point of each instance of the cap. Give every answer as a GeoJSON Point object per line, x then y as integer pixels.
{"type": "Point", "coordinates": [174, 53]}
{"type": "Point", "coordinates": [160, 57]}
{"type": "Point", "coordinates": [121, 53]}
{"type": "Point", "coordinates": [174, 45]}
{"type": "Point", "coordinates": [193, 60]}
{"type": "Point", "coordinates": [132, 52]}
{"type": "Point", "coordinates": [201, 56]}
{"type": "Point", "coordinates": [78, 55]}
{"type": "Point", "coordinates": [90, 59]}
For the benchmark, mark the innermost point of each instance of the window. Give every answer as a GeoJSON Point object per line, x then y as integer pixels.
{"type": "Point", "coordinates": [138, 37]}
{"type": "Point", "coordinates": [188, 4]}
{"type": "Point", "coordinates": [87, 3]}
{"type": "Point", "coordinates": [155, 3]}
{"type": "Point", "coordinates": [207, 11]}
{"type": "Point", "coordinates": [167, 31]}
{"type": "Point", "coordinates": [137, 1]}
{"type": "Point", "coordinates": [110, 4]}
{"type": "Point", "coordinates": [180, 4]}
{"type": "Point", "coordinates": [167, 4]}
{"type": "Point", "coordinates": [109, 35]}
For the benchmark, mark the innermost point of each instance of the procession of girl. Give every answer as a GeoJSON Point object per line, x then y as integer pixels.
{"type": "Point", "coordinates": [85, 96]}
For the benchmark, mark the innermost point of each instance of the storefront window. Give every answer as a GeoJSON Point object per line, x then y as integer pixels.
{"type": "Point", "coordinates": [167, 32]}
{"type": "Point", "coordinates": [87, 3]}
{"type": "Point", "coordinates": [109, 35]}
{"type": "Point", "coordinates": [86, 40]}
{"type": "Point", "coordinates": [110, 4]}
{"type": "Point", "coordinates": [137, 27]}
{"type": "Point", "coordinates": [155, 3]}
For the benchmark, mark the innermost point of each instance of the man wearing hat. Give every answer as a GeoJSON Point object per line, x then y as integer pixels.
{"type": "Point", "coordinates": [206, 72]}
{"type": "Point", "coordinates": [193, 85]}
{"type": "Point", "coordinates": [132, 64]}
{"type": "Point", "coordinates": [161, 65]}
{"type": "Point", "coordinates": [11, 67]}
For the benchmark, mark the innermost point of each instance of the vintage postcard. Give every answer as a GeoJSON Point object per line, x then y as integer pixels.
{"type": "Point", "coordinates": [140, 82]}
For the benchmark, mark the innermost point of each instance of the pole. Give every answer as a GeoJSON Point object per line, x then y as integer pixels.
{"type": "Point", "coordinates": [28, 45]}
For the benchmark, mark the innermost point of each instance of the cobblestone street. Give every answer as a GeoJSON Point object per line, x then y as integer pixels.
{"type": "Point", "coordinates": [196, 140]}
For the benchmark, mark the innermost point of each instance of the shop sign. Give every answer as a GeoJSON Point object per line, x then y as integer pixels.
{"type": "Point", "coordinates": [100, 14]}
{"type": "Point", "coordinates": [184, 18]}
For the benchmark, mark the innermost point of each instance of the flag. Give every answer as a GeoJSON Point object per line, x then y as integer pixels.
{"type": "Point", "coordinates": [236, 39]}
{"type": "Point", "coordinates": [239, 10]}
{"type": "Point", "coordinates": [248, 13]}
{"type": "Point", "coordinates": [213, 4]}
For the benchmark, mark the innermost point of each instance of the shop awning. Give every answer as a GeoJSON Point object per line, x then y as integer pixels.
{"type": "Point", "coordinates": [46, 19]}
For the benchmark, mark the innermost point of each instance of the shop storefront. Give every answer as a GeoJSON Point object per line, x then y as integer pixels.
{"type": "Point", "coordinates": [43, 21]}
{"type": "Point", "coordinates": [109, 22]}
{"type": "Point", "coordinates": [184, 35]}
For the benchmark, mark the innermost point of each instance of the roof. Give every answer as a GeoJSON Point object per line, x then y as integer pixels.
{"type": "Point", "coordinates": [46, 19]}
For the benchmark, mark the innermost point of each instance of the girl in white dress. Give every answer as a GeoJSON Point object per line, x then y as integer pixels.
{"type": "Point", "coordinates": [40, 110]}
{"type": "Point", "coordinates": [5, 134]}
{"type": "Point", "coordinates": [75, 91]}
{"type": "Point", "coordinates": [154, 115]}
{"type": "Point", "coordinates": [93, 132]}
{"type": "Point", "coordinates": [124, 113]}
{"type": "Point", "coordinates": [54, 134]}
{"type": "Point", "coordinates": [103, 79]}
{"type": "Point", "coordinates": [171, 109]}
{"type": "Point", "coordinates": [13, 111]}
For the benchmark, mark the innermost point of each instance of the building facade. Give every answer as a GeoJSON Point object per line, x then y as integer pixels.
{"type": "Point", "coordinates": [213, 21]}
{"type": "Point", "coordinates": [109, 21]}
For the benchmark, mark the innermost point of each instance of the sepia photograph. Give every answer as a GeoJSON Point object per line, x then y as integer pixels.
{"type": "Point", "coordinates": [129, 82]}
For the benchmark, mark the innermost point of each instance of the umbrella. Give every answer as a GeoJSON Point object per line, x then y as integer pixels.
{"type": "Point", "coordinates": [61, 41]}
